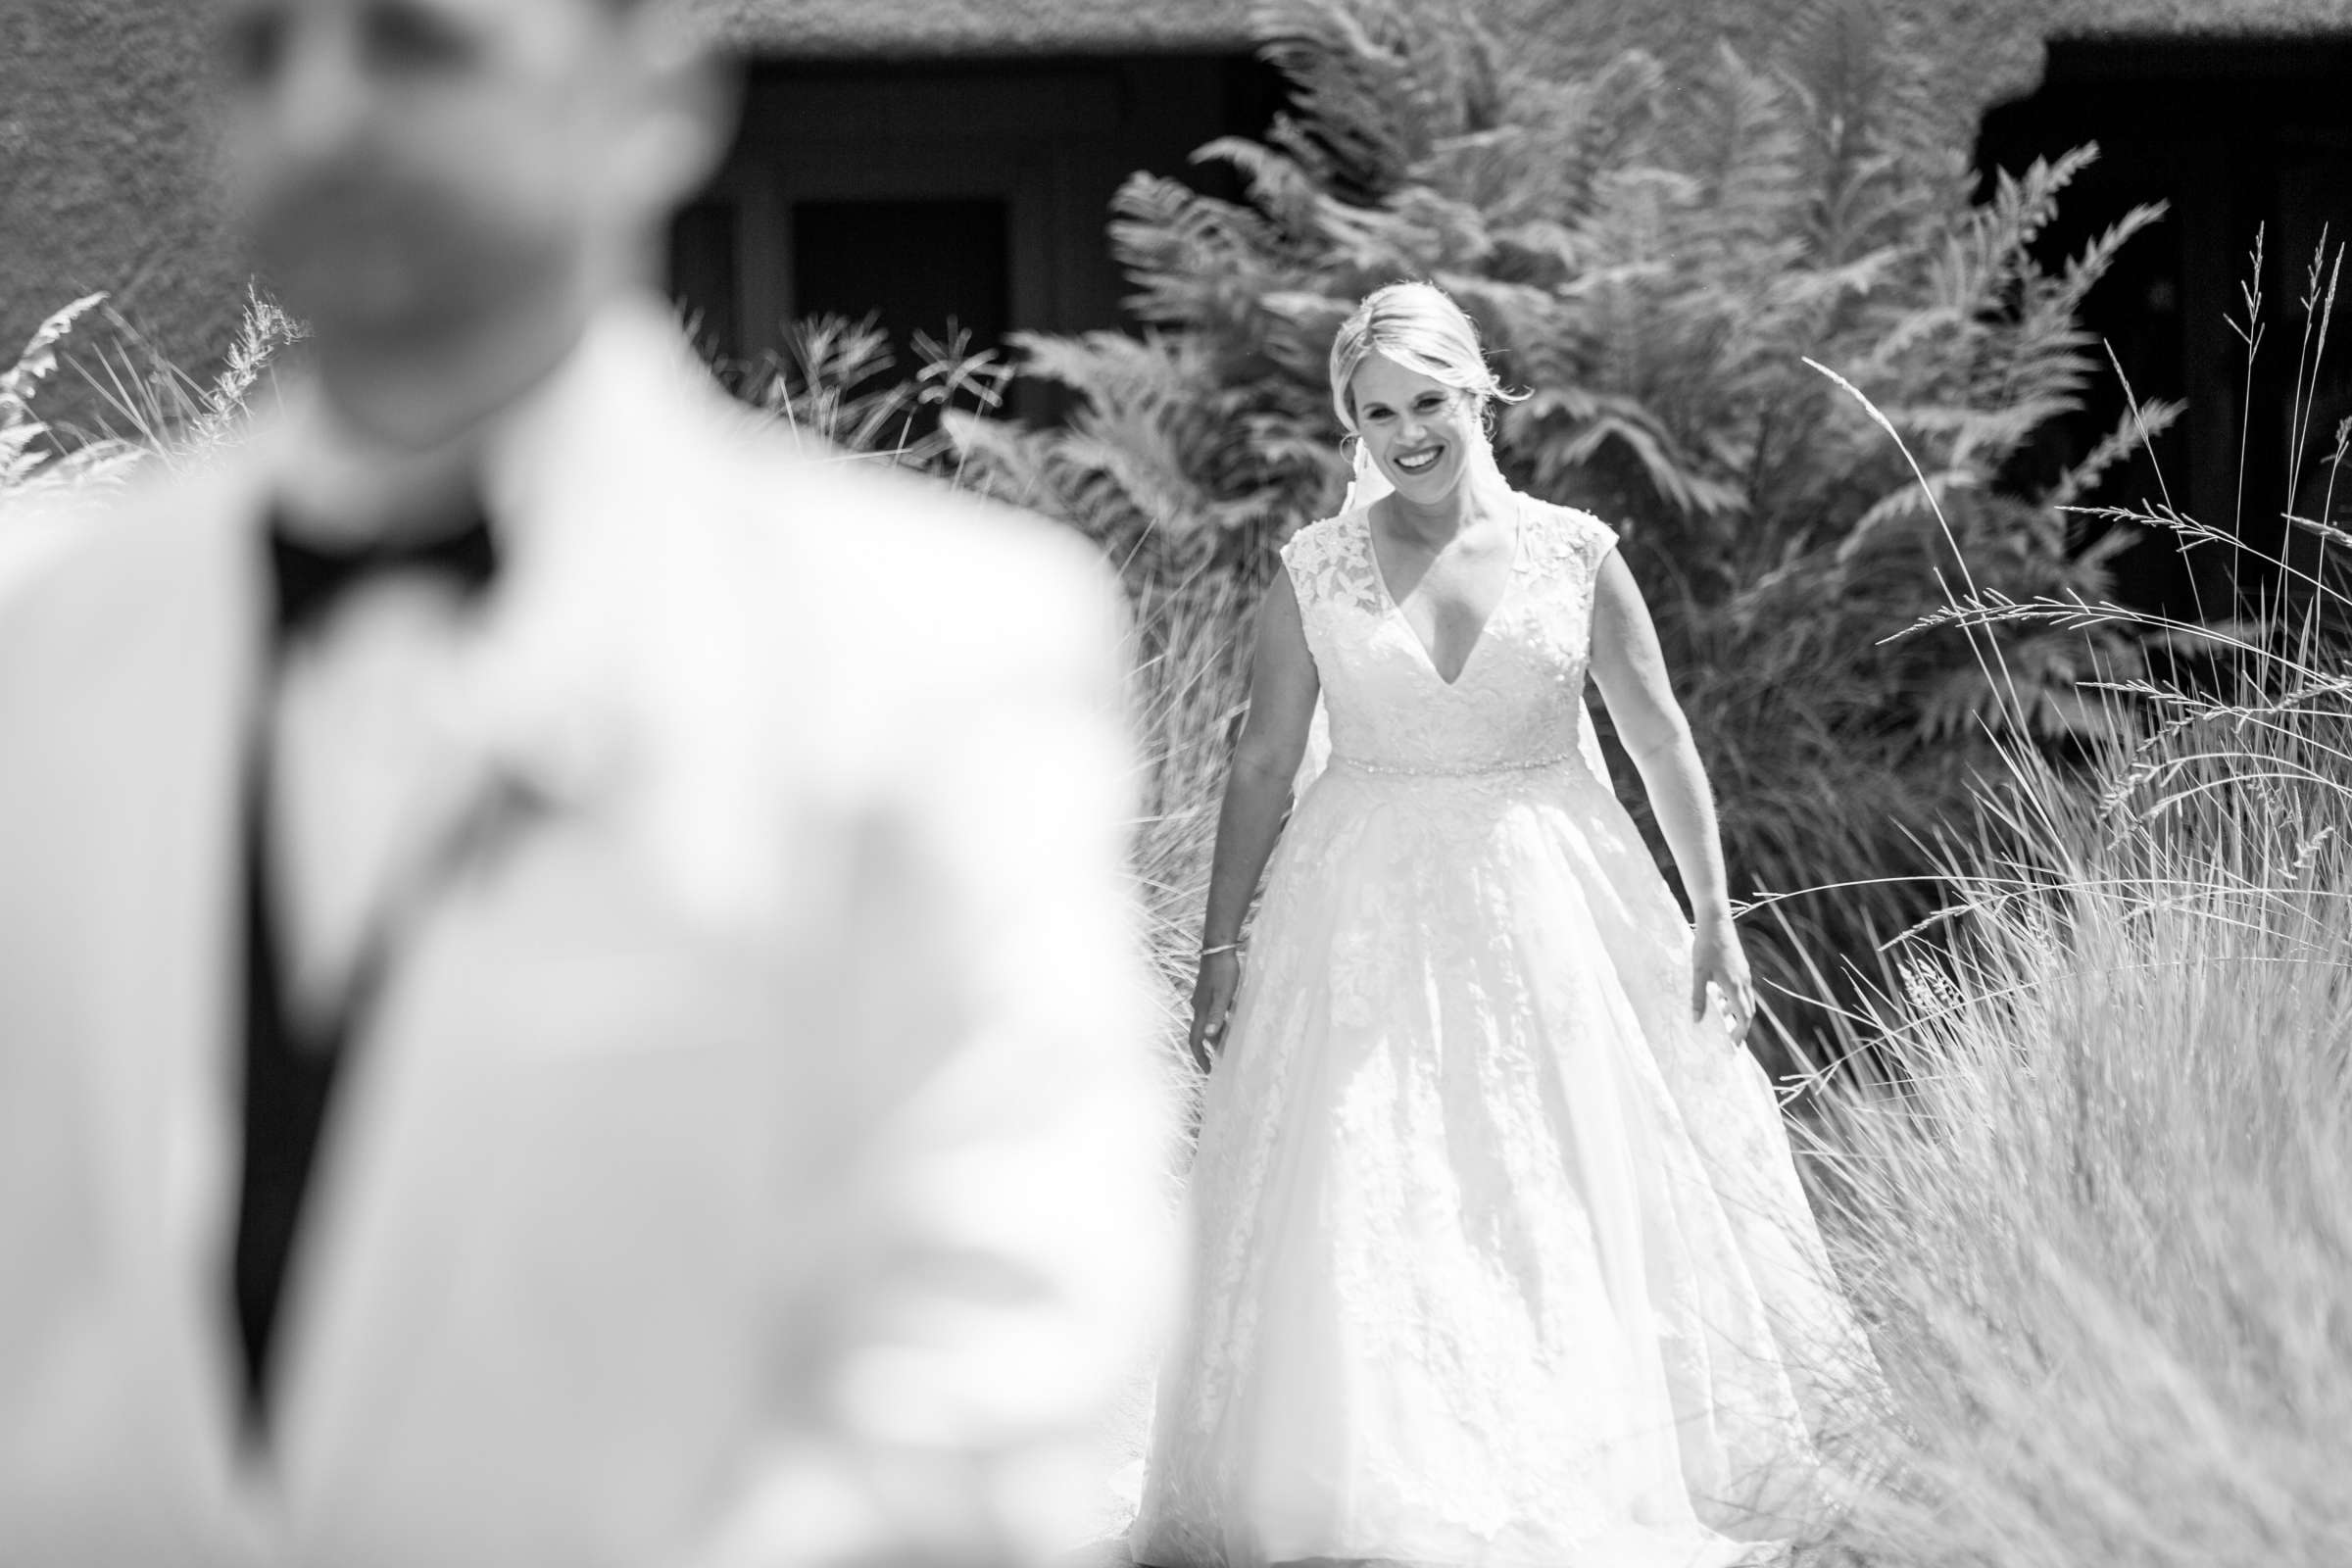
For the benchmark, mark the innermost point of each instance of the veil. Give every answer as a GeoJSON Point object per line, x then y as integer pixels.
{"type": "Point", "coordinates": [1365, 487]}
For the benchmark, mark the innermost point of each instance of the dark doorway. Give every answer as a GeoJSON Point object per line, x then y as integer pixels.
{"type": "Point", "coordinates": [2234, 138]}
{"type": "Point", "coordinates": [935, 267]}
{"type": "Point", "coordinates": [701, 274]}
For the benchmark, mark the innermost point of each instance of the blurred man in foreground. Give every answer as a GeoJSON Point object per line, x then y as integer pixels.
{"type": "Point", "coordinates": [568, 993]}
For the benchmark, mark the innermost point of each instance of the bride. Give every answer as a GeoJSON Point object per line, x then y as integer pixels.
{"type": "Point", "coordinates": [1501, 1255]}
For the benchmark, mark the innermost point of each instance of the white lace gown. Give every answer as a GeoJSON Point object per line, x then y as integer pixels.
{"type": "Point", "coordinates": [1501, 1258]}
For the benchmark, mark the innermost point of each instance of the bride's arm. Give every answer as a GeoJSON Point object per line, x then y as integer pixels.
{"type": "Point", "coordinates": [1630, 670]}
{"type": "Point", "coordinates": [1282, 704]}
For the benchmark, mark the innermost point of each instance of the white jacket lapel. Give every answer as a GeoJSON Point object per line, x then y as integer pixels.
{"type": "Point", "coordinates": [139, 672]}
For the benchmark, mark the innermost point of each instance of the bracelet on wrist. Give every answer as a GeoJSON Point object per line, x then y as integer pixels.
{"type": "Point", "coordinates": [1222, 946]}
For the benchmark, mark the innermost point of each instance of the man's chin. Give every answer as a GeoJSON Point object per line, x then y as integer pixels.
{"type": "Point", "coordinates": [386, 316]}
{"type": "Point", "coordinates": [363, 295]}
{"type": "Point", "coordinates": [409, 317]}
{"type": "Point", "coordinates": [339, 299]}
{"type": "Point", "coordinates": [367, 330]}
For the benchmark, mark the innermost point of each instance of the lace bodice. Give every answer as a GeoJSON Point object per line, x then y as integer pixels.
{"type": "Point", "coordinates": [1519, 698]}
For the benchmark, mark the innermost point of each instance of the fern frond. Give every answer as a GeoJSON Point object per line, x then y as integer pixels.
{"type": "Point", "coordinates": [2132, 429]}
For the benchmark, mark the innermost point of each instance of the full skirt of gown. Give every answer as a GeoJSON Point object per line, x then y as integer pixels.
{"type": "Point", "coordinates": [1503, 1259]}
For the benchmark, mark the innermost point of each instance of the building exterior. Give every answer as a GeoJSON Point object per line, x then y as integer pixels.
{"type": "Point", "coordinates": [952, 158]}
{"type": "Point", "coordinates": [929, 157]}
{"type": "Point", "coordinates": [968, 190]}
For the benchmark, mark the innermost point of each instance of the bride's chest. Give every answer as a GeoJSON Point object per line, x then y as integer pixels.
{"type": "Point", "coordinates": [1447, 589]}
{"type": "Point", "coordinates": [1532, 638]}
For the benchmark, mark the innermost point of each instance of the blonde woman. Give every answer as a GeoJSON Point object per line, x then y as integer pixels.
{"type": "Point", "coordinates": [1503, 1258]}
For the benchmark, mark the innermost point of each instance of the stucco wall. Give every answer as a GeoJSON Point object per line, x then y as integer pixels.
{"type": "Point", "coordinates": [105, 172]}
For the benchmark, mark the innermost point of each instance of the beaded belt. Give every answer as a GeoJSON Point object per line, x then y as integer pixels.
{"type": "Point", "coordinates": [1471, 771]}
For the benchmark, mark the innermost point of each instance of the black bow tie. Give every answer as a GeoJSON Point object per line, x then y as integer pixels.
{"type": "Point", "coordinates": [310, 578]}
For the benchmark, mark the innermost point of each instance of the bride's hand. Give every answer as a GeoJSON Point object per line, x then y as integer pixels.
{"type": "Point", "coordinates": [1212, 1001]}
{"type": "Point", "coordinates": [1716, 958]}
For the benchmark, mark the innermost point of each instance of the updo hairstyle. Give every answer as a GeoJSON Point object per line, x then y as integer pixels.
{"type": "Point", "coordinates": [1418, 327]}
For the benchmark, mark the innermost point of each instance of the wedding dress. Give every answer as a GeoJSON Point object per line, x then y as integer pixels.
{"type": "Point", "coordinates": [1503, 1258]}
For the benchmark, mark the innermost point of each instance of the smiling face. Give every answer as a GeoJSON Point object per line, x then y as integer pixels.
{"type": "Point", "coordinates": [1420, 431]}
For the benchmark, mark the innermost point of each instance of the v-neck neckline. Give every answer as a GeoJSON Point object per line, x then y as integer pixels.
{"type": "Point", "coordinates": [1510, 585]}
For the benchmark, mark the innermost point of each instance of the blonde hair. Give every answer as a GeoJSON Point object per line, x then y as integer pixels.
{"type": "Point", "coordinates": [1419, 327]}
